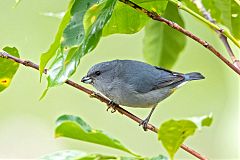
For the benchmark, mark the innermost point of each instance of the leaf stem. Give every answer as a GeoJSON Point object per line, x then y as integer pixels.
{"type": "Point", "coordinates": [207, 21]}
{"type": "Point", "coordinates": [206, 14]}
{"type": "Point", "coordinates": [155, 16]}
{"type": "Point", "coordinates": [99, 97]}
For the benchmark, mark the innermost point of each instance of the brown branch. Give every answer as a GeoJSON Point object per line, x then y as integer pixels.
{"type": "Point", "coordinates": [206, 14]}
{"type": "Point", "coordinates": [101, 98]}
{"type": "Point", "coordinates": [155, 16]}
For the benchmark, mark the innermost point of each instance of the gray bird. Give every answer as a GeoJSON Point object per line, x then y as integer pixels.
{"type": "Point", "coordinates": [136, 84]}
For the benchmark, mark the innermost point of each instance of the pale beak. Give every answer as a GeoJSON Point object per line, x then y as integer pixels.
{"type": "Point", "coordinates": [87, 80]}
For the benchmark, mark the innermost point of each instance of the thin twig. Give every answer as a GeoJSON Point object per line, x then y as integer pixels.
{"type": "Point", "coordinates": [101, 98]}
{"type": "Point", "coordinates": [206, 14]}
{"type": "Point", "coordinates": [183, 7]}
{"type": "Point", "coordinates": [157, 17]}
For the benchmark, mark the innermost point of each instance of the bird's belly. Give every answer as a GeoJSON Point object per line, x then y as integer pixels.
{"type": "Point", "coordinates": [141, 100]}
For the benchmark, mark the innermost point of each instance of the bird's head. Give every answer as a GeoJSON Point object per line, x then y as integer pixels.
{"type": "Point", "coordinates": [101, 73]}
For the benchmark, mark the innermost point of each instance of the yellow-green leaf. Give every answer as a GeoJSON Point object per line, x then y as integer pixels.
{"type": "Point", "coordinates": [77, 40]}
{"type": "Point", "coordinates": [173, 133]}
{"type": "Point", "coordinates": [162, 44]}
{"type": "Point", "coordinates": [226, 13]}
{"type": "Point", "coordinates": [8, 68]}
{"type": "Point", "coordinates": [127, 20]}
{"type": "Point", "coordinates": [74, 127]}
{"type": "Point", "coordinates": [51, 52]}
{"type": "Point", "coordinates": [78, 155]}
{"type": "Point", "coordinates": [64, 155]}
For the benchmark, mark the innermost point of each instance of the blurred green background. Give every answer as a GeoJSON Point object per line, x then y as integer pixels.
{"type": "Point", "coordinates": [27, 124]}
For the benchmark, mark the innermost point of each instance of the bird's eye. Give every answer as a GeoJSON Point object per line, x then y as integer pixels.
{"type": "Point", "coordinates": [97, 73]}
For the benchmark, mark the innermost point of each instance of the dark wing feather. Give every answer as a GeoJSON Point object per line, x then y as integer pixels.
{"type": "Point", "coordinates": [166, 70]}
{"type": "Point", "coordinates": [168, 81]}
{"type": "Point", "coordinates": [144, 78]}
{"type": "Point", "coordinates": [172, 78]}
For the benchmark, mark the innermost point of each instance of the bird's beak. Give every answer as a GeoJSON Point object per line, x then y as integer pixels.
{"type": "Point", "coordinates": [87, 80]}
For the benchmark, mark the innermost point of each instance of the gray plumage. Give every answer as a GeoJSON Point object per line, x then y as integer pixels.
{"type": "Point", "coordinates": [136, 84]}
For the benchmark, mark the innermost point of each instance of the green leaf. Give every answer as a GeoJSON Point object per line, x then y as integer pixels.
{"type": "Point", "coordinates": [64, 155]}
{"type": "Point", "coordinates": [97, 157]}
{"type": "Point", "coordinates": [77, 43]}
{"type": "Point", "coordinates": [73, 34]}
{"type": "Point", "coordinates": [8, 68]}
{"type": "Point", "coordinates": [160, 157]}
{"type": "Point", "coordinates": [191, 5]}
{"type": "Point", "coordinates": [220, 10]}
{"type": "Point", "coordinates": [235, 18]}
{"type": "Point", "coordinates": [204, 121]}
{"type": "Point", "coordinates": [75, 128]}
{"type": "Point", "coordinates": [47, 56]}
{"type": "Point", "coordinates": [77, 155]}
{"type": "Point", "coordinates": [162, 44]}
{"type": "Point", "coordinates": [127, 20]}
{"type": "Point", "coordinates": [225, 12]}
{"type": "Point", "coordinates": [173, 133]}
{"type": "Point", "coordinates": [95, 31]}
{"type": "Point", "coordinates": [70, 35]}
{"type": "Point", "coordinates": [56, 75]}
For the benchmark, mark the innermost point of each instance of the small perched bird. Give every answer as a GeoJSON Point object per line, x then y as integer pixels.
{"type": "Point", "coordinates": [136, 84]}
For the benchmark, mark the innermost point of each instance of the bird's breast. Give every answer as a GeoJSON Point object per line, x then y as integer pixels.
{"type": "Point", "coordinates": [124, 94]}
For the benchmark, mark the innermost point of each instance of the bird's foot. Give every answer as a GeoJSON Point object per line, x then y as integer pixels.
{"type": "Point", "coordinates": [112, 105]}
{"type": "Point", "coordinates": [144, 124]}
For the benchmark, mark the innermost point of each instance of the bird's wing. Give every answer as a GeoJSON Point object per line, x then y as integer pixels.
{"type": "Point", "coordinates": [143, 78]}
{"type": "Point", "coordinates": [160, 78]}
{"type": "Point", "coordinates": [168, 78]}
{"type": "Point", "coordinates": [166, 70]}
{"type": "Point", "coordinates": [168, 81]}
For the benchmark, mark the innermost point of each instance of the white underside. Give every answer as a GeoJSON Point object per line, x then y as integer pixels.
{"type": "Point", "coordinates": [180, 85]}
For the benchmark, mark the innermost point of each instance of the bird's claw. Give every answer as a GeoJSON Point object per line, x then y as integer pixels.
{"type": "Point", "coordinates": [111, 104]}
{"type": "Point", "coordinates": [144, 124]}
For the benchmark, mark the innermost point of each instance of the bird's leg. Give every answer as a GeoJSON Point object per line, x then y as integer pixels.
{"type": "Point", "coordinates": [112, 105]}
{"type": "Point", "coordinates": [144, 123]}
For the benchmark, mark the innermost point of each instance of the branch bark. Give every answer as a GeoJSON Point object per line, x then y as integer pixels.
{"type": "Point", "coordinates": [206, 14]}
{"type": "Point", "coordinates": [93, 94]}
{"type": "Point", "coordinates": [204, 20]}
{"type": "Point", "coordinates": [155, 16]}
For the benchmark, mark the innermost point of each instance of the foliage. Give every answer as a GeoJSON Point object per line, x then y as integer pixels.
{"type": "Point", "coordinates": [79, 36]}
{"type": "Point", "coordinates": [72, 154]}
{"type": "Point", "coordinates": [159, 39]}
{"type": "Point", "coordinates": [81, 28]}
{"type": "Point", "coordinates": [125, 20]}
{"type": "Point", "coordinates": [74, 127]}
{"type": "Point", "coordinates": [225, 12]}
{"type": "Point", "coordinates": [75, 40]}
{"type": "Point", "coordinates": [173, 133]}
{"type": "Point", "coordinates": [8, 68]}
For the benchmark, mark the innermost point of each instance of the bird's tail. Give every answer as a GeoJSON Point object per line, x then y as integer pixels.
{"type": "Point", "coordinates": [193, 76]}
